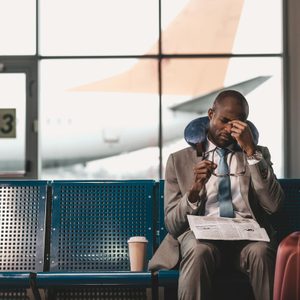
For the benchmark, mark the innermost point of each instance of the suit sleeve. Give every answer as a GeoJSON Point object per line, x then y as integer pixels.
{"type": "Point", "coordinates": [176, 203]}
{"type": "Point", "coordinates": [265, 184]}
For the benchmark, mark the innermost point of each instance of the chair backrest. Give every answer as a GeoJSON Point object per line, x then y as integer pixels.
{"type": "Point", "coordinates": [289, 220]}
{"type": "Point", "coordinates": [22, 225]}
{"type": "Point", "coordinates": [92, 221]}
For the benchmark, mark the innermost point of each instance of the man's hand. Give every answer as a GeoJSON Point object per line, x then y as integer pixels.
{"type": "Point", "coordinates": [202, 172]}
{"type": "Point", "coordinates": [241, 132]}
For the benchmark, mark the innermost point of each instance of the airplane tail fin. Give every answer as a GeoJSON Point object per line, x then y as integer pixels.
{"type": "Point", "coordinates": [202, 103]}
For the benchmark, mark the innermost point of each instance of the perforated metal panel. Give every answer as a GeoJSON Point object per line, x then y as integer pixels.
{"type": "Point", "coordinates": [14, 295]}
{"type": "Point", "coordinates": [291, 188]}
{"type": "Point", "coordinates": [92, 221]}
{"type": "Point", "coordinates": [103, 293]}
{"type": "Point", "coordinates": [22, 225]}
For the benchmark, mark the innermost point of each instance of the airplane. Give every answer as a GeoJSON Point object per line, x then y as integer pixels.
{"type": "Point", "coordinates": [75, 137]}
{"type": "Point", "coordinates": [102, 140]}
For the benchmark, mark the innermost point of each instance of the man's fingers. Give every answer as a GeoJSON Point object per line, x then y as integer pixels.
{"type": "Point", "coordinates": [236, 130]}
{"type": "Point", "coordinates": [204, 168]}
{"type": "Point", "coordinates": [238, 123]}
{"type": "Point", "coordinates": [205, 163]}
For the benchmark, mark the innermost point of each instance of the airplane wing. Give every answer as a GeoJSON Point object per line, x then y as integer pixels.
{"type": "Point", "coordinates": [202, 103]}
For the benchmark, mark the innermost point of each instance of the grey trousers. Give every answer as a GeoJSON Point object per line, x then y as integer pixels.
{"type": "Point", "coordinates": [200, 260]}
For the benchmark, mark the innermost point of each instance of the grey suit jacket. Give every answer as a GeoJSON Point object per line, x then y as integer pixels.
{"type": "Point", "coordinates": [259, 188]}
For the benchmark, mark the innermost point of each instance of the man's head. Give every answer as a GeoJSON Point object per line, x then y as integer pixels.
{"type": "Point", "coordinates": [228, 106]}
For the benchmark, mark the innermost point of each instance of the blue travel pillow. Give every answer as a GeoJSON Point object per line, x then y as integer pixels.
{"type": "Point", "coordinates": [195, 132]}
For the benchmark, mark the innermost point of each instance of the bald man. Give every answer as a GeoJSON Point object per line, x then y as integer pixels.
{"type": "Point", "coordinates": [192, 188]}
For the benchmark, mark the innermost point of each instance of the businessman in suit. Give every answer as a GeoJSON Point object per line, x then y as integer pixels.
{"type": "Point", "coordinates": [197, 184]}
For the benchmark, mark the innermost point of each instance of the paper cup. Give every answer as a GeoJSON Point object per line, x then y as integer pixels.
{"type": "Point", "coordinates": [137, 246]}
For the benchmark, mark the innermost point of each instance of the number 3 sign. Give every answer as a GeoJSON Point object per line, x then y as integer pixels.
{"type": "Point", "coordinates": [7, 123]}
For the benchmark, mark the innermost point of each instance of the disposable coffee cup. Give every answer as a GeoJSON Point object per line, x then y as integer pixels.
{"type": "Point", "coordinates": [137, 246]}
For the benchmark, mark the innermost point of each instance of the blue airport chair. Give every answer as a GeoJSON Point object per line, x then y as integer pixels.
{"type": "Point", "coordinates": [22, 236]}
{"type": "Point", "coordinates": [91, 223]}
{"type": "Point", "coordinates": [288, 221]}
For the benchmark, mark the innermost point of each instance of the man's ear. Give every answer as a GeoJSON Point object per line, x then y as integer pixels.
{"type": "Point", "coordinates": [210, 113]}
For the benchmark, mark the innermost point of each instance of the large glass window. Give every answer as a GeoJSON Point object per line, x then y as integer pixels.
{"type": "Point", "coordinates": [224, 26]}
{"type": "Point", "coordinates": [114, 76]}
{"type": "Point", "coordinates": [18, 27]}
{"type": "Point", "coordinates": [259, 79]}
{"type": "Point", "coordinates": [103, 113]}
{"type": "Point", "coordinates": [99, 118]}
{"type": "Point", "coordinates": [98, 27]}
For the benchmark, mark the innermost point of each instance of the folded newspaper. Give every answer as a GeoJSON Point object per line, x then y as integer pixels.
{"type": "Point", "coordinates": [218, 228]}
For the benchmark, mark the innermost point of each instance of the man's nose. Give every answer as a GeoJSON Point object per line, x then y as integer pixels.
{"type": "Point", "coordinates": [228, 128]}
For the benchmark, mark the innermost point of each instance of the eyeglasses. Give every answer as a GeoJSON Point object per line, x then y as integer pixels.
{"type": "Point", "coordinates": [236, 174]}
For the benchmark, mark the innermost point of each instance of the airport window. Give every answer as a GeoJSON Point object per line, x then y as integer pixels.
{"type": "Point", "coordinates": [229, 26]}
{"type": "Point", "coordinates": [261, 76]}
{"type": "Point", "coordinates": [18, 27]}
{"type": "Point", "coordinates": [98, 27]}
{"type": "Point", "coordinates": [97, 120]}
{"type": "Point", "coordinates": [112, 72]}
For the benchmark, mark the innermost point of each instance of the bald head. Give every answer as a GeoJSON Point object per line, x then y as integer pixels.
{"type": "Point", "coordinates": [229, 106]}
{"type": "Point", "coordinates": [232, 98]}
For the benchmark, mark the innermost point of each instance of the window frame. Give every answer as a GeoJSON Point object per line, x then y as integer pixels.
{"type": "Point", "coordinates": [31, 64]}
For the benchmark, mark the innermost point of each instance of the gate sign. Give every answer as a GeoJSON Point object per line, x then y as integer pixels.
{"type": "Point", "coordinates": [7, 122]}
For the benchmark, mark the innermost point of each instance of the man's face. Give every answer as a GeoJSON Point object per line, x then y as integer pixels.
{"type": "Point", "coordinates": [219, 131]}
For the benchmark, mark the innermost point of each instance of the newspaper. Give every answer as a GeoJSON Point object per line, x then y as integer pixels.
{"type": "Point", "coordinates": [218, 228]}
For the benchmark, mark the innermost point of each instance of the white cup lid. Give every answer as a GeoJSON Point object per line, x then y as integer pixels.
{"type": "Point", "coordinates": [140, 239]}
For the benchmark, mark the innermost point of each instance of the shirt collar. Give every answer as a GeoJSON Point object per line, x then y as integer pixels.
{"type": "Point", "coordinates": [210, 146]}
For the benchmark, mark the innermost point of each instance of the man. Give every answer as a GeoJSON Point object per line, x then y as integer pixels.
{"type": "Point", "coordinates": [194, 186]}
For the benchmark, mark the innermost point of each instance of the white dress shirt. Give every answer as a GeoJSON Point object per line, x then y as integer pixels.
{"type": "Point", "coordinates": [212, 203]}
